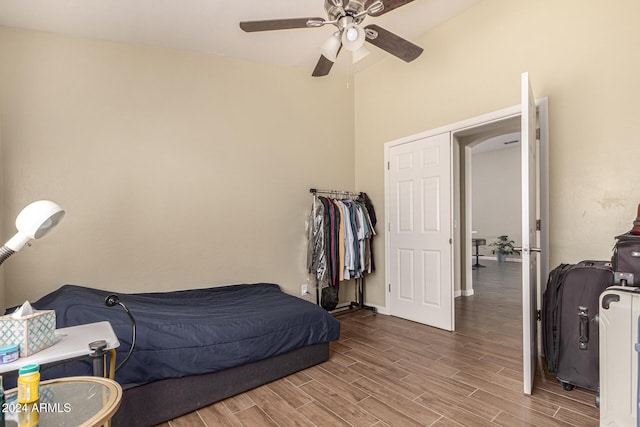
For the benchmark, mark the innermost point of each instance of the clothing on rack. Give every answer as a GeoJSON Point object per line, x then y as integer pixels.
{"type": "Point", "coordinates": [340, 234]}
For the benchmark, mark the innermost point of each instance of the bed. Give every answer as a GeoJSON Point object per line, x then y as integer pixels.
{"type": "Point", "coordinates": [199, 346]}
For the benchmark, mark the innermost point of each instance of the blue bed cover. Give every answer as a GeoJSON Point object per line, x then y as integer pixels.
{"type": "Point", "coordinates": [197, 331]}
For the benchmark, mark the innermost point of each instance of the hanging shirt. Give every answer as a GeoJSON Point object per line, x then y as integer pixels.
{"type": "Point", "coordinates": [341, 242]}
{"type": "Point", "coordinates": [348, 240]}
{"type": "Point", "coordinates": [316, 254]}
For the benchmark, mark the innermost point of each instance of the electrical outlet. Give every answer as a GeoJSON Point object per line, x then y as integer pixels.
{"type": "Point", "coordinates": [305, 289]}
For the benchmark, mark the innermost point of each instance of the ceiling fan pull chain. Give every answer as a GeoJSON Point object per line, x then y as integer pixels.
{"type": "Point", "coordinates": [347, 63]}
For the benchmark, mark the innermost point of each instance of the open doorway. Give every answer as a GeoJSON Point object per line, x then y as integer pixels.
{"type": "Point", "coordinates": [464, 141]}
{"type": "Point", "coordinates": [489, 305]}
{"type": "Point", "coordinates": [496, 195]}
{"type": "Point", "coordinates": [490, 162]}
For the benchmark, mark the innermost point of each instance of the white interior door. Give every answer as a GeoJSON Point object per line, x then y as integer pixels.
{"type": "Point", "coordinates": [420, 251]}
{"type": "Point", "coordinates": [529, 234]}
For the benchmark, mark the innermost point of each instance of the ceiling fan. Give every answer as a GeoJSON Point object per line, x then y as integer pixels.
{"type": "Point", "coordinates": [346, 16]}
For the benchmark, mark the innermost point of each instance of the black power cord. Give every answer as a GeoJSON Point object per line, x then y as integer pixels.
{"type": "Point", "coordinates": [111, 301]}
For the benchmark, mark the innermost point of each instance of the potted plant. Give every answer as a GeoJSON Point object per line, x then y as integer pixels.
{"type": "Point", "coordinates": [503, 247]}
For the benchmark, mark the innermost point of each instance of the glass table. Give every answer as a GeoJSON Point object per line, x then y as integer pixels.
{"type": "Point", "coordinates": [70, 401]}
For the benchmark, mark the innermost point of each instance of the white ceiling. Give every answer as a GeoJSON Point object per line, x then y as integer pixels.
{"type": "Point", "coordinates": [211, 26]}
{"type": "Point", "coordinates": [507, 140]}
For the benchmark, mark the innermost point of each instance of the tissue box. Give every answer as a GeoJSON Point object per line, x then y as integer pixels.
{"type": "Point", "coordinates": [33, 332]}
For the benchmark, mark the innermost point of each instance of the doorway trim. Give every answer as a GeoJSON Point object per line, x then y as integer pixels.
{"type": "Point", "coordinates": [462, 247]}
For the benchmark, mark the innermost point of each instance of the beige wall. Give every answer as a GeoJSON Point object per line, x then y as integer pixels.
{"type": "Point", "coordinates": [180, 170]}
{"type": "Point", "coordinates": [581, 54]}
{"type": "Point", "coordinates": [177, 169]}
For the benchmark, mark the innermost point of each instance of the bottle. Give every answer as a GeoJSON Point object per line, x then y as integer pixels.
{"type": "Point", "coordinates": [29, 383]}
{"type": "Point", "coordinates": [28, 416]}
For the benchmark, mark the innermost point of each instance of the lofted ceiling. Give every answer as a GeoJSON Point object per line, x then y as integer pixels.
{"type": "Point", "coordinates": [211, 26]}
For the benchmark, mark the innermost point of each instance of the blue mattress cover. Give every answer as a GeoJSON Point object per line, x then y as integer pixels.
{"type": "Point", "coordinates": [197, 331]}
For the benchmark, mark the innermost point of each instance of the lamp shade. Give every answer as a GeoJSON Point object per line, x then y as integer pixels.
{"type": "Point", "coordinates": [34, 222]}
{"type": "Point", "coordinates": [331, 47]}
{"type": "Point", "coordinates": [359, 54]}
{"type": "Point", "coordinates": [353, 37]}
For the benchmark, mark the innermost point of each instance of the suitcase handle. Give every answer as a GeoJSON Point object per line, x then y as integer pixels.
{"type": "Point", "coordinates": [623, 279]}
{"type": "Point", "coordinates": [583, 314]}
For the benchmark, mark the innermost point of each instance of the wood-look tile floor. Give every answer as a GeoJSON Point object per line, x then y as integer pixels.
{"type": "Point", "coordinates": [386, 371]}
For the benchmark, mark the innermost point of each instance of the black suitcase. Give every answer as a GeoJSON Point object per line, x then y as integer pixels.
{"type": "Point", "coordinates": [626, 258]}
{"type": "Point", "coordinates": [578, 351]}
{"type": "Point", "coordinates": [550, 314]}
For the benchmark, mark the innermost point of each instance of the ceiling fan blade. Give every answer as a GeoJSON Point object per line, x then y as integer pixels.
{"type": "Point", "coordinates": [322, 67]}
{"type": "Point", "coordinates": [280, 24]}
{"type": "Point", "coordinates": [392, 43]}
{"type": "Point", "coordinates": [389, 5]}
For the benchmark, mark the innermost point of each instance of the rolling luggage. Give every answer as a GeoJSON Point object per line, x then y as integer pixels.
{"type": "Point", "coordinates": [626, 255]}
{"type": "Point", "coordinates": [619, 316]}
{"type": "Point", "coordinates": [577, 329]}
{"type": "Point", "coordinates": [550, 313]}
{"type": "Point", "coordinates": [626, 258]}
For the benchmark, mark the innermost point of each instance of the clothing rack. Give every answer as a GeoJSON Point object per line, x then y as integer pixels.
{"type": "Point", "coordinates": [359, 303]}
{"type": "Point", "coordinates": [359, 282]}
{"type": "Point", "coordinates": [315, 191]}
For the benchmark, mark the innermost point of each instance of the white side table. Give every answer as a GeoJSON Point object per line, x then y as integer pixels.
{"type": "Point", "coordinates": [70, 343]}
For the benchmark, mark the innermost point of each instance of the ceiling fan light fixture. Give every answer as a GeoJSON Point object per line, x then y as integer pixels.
{"type": "Point", "coordinates": [351, 34]}
{"type": "Point", "coordinates": [331, 47]}
{"type": "Point", "coordinates": [353, 37]}
{"type": "Point", "coordinates": [360, 54]}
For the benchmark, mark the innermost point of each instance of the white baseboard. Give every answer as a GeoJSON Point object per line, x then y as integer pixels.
{"type": "Point", "coordinates": [380, 309]}
{"type": "Point", "coordinates": [465, 293]}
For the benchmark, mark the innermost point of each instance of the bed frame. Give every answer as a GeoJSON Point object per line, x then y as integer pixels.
{"type": "Point", "coordinates": [154, 403]}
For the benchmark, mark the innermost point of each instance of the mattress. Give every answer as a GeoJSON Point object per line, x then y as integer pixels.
{"type": "Point", "coordinates": [197, 331]}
